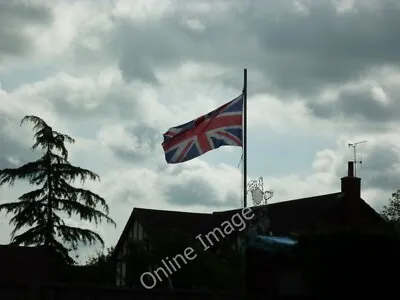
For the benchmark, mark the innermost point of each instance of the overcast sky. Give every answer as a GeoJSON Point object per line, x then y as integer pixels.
{"type": "Point", "coordinates": [115, 75]}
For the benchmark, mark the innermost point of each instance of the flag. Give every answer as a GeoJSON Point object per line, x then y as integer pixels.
{"type": "Point", "coordinates": [221, 127]}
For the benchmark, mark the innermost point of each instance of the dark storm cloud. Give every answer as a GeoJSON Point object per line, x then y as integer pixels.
{"type": "Point", "coordinates": [196, 192]}
{"type": "Point", "coordinates": [15, 16]}
{"type": "Point", "coordinates": [298, 52]}
{"type": "Point", "coordinates": [285, 50]}
{"type": "Point", "coordinates": [380, 168]}
{"type": "Point", "coordinates": [323, 47]}
{"type": "Point", "coordinates": [361, 104]}
{"type": "Point", "coordinates": [354, 103]}
{"type": "Point", "coordinates": [144, 47]}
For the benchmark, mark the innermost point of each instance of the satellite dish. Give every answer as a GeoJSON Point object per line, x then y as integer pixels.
{"type": "Point", "coordinates": [257, 195]}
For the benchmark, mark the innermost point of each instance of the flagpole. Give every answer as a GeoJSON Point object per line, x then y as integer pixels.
{"type": "Point", "coordinates": [244, 264]}
{"type": "Point", "coordinates": [245, 138]}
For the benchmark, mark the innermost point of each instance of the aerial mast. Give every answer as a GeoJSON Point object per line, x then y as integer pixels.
{"type": "Point", "coordinates": [354, 146]}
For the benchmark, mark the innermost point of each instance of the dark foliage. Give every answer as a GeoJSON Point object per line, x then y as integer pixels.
{"type": "Point", "coordinates": [349, 262]}
{"type": "Point", "coordinates": [263, 269]}
{"type": "Point", "coordinates": [98, 270]}
{"type": "Point", "coordinates": [341, 262]}
{"type": "Point", "coordinates": [392, 210]}
{"type": "Point", "coordinates": [207, 270]}
{"type": "Point", "coordinates": [39, 210]}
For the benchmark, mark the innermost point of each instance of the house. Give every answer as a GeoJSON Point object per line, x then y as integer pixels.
{"type": "Point", "coordinates": [143, 222]}
{"type": "Point", "coordinates": [345, 209]}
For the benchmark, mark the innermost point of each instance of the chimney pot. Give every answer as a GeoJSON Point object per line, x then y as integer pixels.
{"type": "Point", "coordinates": [351, 185]}
{"type": "Point", "coordinates": [350, 169]}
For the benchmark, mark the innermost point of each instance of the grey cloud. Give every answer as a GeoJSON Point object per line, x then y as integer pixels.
{"type": "Point", "coordinates": [14, 16]}
{"type": "Point", "coordinates": [308, 51]}
{"type": "Point", "coordinates": [5, 164]}
{"type": "Point", "coordinates": [145, 138]}
{"type": "Point", "coordinates": [145, 135]}
{"type": "Point", "coordinates": [12, 148]}
{"type": "Point", "coordinates": [286, 52]}
{"type": "Point", "coordinates": [132, 68]}
{"type": "Point", "coordinates": [379, 167]}
{"type": "Point", "coordinates": [388, 181]}
{"type": "Point", "coordinates": [114, 102]}
{"type": "Point", "coordinates": [360, 104]}
{"type": "Point", "coordinates": [127, 197]}
{"type": "Point", "coordinates": [196, 192]}
{"type": "Point", "coordinates": [144, 47]}
{"type": "Point", "coordinates": [296, 52]}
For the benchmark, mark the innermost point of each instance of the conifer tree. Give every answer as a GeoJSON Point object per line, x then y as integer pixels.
{"type": "Point", "coordinates": [40, 212]}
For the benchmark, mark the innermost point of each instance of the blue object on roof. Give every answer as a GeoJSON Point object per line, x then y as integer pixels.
{"type": "Point", "coordinates": [271, 243]}
{"type": "Point", "coordinates": [279, 240]}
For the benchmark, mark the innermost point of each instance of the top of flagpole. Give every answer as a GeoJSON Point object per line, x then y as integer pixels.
{"type": "Point", "coordinates": [245, 138]}
{"type": "Point", "coordinates": [245, 81]}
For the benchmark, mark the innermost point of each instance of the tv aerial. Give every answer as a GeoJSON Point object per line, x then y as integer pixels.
{"type": "Point", "coordinates": [258, 194]}
{"type": "Point", "coordinates": [354, 146]}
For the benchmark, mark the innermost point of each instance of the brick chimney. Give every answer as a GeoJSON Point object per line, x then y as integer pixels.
{"type": "Point", "coordinates": [351, 185]}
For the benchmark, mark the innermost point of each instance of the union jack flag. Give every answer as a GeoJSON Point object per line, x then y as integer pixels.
{"type": "Point", "coordinates": [221, 127]}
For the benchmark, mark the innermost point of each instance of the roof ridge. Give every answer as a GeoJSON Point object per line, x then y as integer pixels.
{"type": "Point", "coordinates": [372, 209]}
{"type": "Point", "coordinates": [282, 202]}
{"type": "Point", "coordinates": [170, 211]}
{"type": "Point", "coordinates": [311, 197]}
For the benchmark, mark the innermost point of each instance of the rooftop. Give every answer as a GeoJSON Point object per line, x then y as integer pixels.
{"type": "Point", "coordinates": [285, 216]}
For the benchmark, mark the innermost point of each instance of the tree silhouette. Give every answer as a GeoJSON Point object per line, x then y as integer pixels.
{"type": "Point", "coordinates": [40, 209]}
{"type": "Point", "coordinates": [392, 210]}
